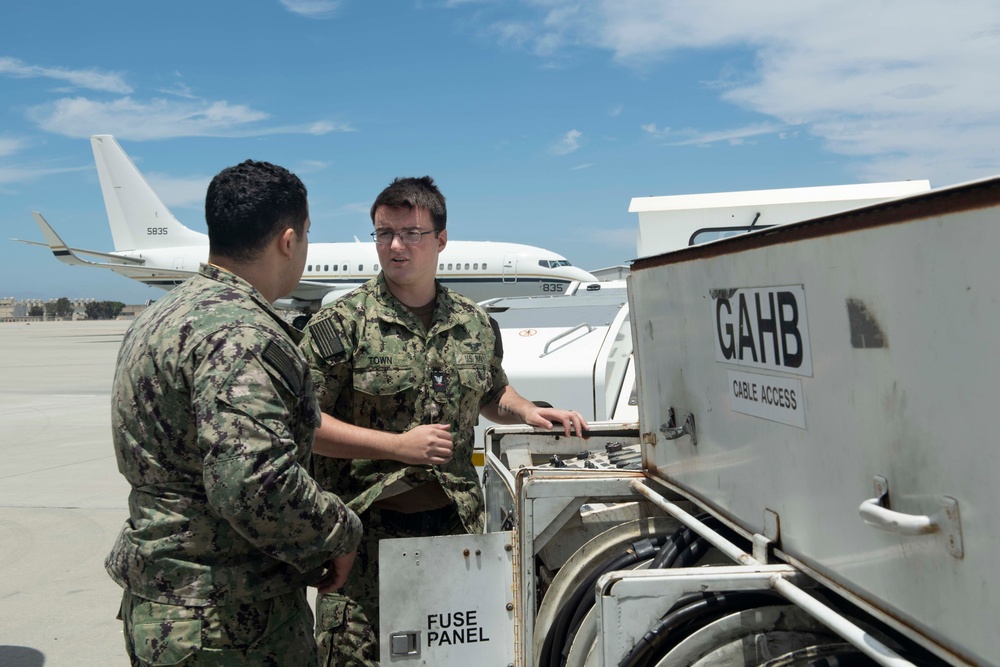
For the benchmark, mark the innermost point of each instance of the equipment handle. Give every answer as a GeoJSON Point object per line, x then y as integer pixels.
{"type": "Point", "coordinates": [582, 325]}
{"type": "Point", "coordinates": [947, 521]}
{"type": "Point", "coordinates": [890, 521]}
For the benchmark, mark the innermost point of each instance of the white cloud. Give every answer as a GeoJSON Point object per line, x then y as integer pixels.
{"type": "Point", "coordinates": [24, 174]}
{"type": "Point", "coordinates": [179, 89]}
{"type": "Point", "coordinates": [92, 79]}
{"type": "Point", "coordinates": [313, 9]}
{"type": "Point", "coordinates": [9, 145]}
{"type": "Point", "coordinates": [655, 131]}
{"type": "Point", "coordinates": [689, 137]}
{"type": "Point", "coordinates": [569, 143]}
{"type": "Point", "coordinates": [901, 85]}
{"type": "Point", "coordinates": [586, 165]}
{"type": "Point", "coordinates": [311, 166]}
{"type": "Point", "coordinates": [138, 120]}
{"type": "Point", "coordinates": [356, 207]}
{"type": "Point", "coordinates": [616, 111]}
{"type": "Point", "coordinates": [451, 4]}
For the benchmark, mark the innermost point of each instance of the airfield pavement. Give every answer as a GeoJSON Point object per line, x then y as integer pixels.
{"type": "Point", "coordinates": [62, 500]}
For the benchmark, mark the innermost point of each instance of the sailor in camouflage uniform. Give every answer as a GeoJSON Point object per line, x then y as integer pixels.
{"type": "Point", "coordinates": [403, 368]}
{"type": "Point", "coordinates": [213, 416]}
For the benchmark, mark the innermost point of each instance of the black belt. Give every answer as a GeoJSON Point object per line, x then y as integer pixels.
{"type": "Point", "coordinates": [441, 521]}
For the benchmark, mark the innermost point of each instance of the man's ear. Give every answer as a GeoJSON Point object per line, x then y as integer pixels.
{"type": "Point", "coordinates": [442, 239]}
{"type": "Point", "coordinates": [286, 242]}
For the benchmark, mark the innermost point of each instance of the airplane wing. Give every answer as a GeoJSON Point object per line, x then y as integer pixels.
{"type": "Point", "coordinates": [310, 290]}
{"type": "Point", "coordinates": [71, 256]}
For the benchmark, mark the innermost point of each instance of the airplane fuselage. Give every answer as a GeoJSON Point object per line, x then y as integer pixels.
{"type": "Point", "coordinates": [153, 247]}
{"type": "Point", "coordinates": [478, 269]}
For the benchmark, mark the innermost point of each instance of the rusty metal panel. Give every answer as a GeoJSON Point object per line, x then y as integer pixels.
{"type": "Point", "coordinates": [810, 360]}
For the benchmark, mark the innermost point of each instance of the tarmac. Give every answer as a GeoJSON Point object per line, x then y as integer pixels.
{"type": "Point", "coordinates": [62, 500]}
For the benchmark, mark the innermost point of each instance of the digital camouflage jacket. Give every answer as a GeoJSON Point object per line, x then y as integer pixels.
{"type": "Point", "coordinates": [213, 413]}
{"type": "Point", "coordinates": [375, 366]}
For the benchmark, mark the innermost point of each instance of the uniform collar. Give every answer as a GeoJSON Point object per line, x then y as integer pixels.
{"type": "Point", "coordinates": [233, 281]}
{"type": "Point", "coordinates": [392, 309]}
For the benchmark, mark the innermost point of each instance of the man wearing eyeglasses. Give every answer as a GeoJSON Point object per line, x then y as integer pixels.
{"type": "Point", "coordinates": [403, 368]}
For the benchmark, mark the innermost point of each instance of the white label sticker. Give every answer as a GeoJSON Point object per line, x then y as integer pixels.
{"type": "Point", "coordinates": [777, 399]}
{"type": "Point", "coordinates": [763, 327]}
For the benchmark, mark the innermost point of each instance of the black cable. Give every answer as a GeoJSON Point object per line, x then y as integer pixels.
{"type": "Point", "coordinates": [682, 548]}
{"type": "Point", "coordinates": [583, 599]}
{"type": "Point", "coordinates": [662, 637]}
{"type": "Point", "coordinates": [553, 651]}
{"type": "Point", "coordinates": [643, 550]}
{"type": "Point", "coordinates": [687, 556]}
{"type": "Point", "coordinates": [549, 653]}
{"type": "Point", "coordinates": [678, 541]}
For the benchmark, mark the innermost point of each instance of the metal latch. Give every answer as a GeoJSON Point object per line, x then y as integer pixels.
{"type": "Point", "coordinates": [671, 432]}
{"type": "Point", "coordinates": [404, 643]}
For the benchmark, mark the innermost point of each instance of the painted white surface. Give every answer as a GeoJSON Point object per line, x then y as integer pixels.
{"type": "Point", "coordinates": [668, 223]}
{"type": "Point", "coordinates": [919, 411]}
{"type": "Point", "coordinates": [452, 592]}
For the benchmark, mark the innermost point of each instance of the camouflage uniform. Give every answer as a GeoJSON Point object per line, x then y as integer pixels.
{"type": "Point", "coordinates": [213, 415]}
{"type": "Point", "coordinates": [376, 366]}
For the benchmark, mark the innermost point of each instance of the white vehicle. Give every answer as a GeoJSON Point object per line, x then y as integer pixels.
{"type": "Point", "coordinates": [572, 351]}
{"type": "Point", "coordinates": [811, 480]}
{"type": "Point", "coordinates": [577, 354]}
{"type": "Point", "coordinates": [153, 247]}
{"type": "Point", "coordinates": [677, 221]}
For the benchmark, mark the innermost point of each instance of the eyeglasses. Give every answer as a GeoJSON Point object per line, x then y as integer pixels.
{"type": "Point", "coordinates": [407, 236]}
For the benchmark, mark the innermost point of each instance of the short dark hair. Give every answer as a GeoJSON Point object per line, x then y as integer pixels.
{"type": "Point", "coordinates": [414, 192]}
{"type": "Point", "coordinates": [249, 204]}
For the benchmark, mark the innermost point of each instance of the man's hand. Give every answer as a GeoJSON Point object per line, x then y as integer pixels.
{"type": "Point", "coordinates": [336, 575]}
{"type": "Point", "coordinates": [546, 417]}
{"type": "Point", "coordinates": [426, 444]}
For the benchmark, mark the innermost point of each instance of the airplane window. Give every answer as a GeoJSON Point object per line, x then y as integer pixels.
{"type": "Point", "coordinates": [449, 267]}
{"type": "Point", "coordinates": [476, 266]}
{"type": "Point", "coordinates": [544, 263]}
{"type": "Point", "coordinates": [326, 267]}
{"type": "Point", "coordinates": [441, 266]}
{"type": "Point", "coordinates": [466, 266]}
{"type": "Point", "coordinates": [376, 267]}
{"type": "Point", "coordinates": [336, 267]}
{"type": "Point", "coordinates": [309, 268]}
{"type": "Point", "coordinates": [484, 266]}
{"type": "Point", "coordinates": [361, 267]}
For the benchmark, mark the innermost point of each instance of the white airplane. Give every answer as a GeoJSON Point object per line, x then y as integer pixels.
{"type": "Point", "coordinates": [151, 246]}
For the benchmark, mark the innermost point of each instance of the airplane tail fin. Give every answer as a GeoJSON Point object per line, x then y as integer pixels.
{"type": "Point", "coordinates": [137, 217]}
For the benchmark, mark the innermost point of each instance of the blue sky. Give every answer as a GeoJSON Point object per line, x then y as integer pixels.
{"type": "Point", "coordinates": [539, 119]}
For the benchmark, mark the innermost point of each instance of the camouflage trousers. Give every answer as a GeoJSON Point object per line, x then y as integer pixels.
{"type": "Point", "coordinates": [347, 621]}
{"type": "Point", "coordinates": [268, 633]}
